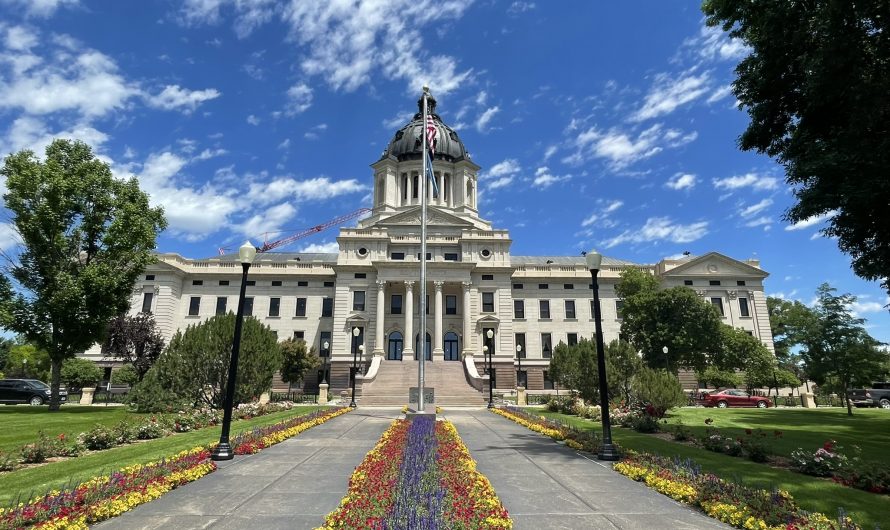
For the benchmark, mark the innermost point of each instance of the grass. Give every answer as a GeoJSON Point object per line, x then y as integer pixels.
{"type": "Point", "coordinates": [21, 423]}
{"type": "Point", "coordinates": [26, 483]}
{"type": "Point", "coordinates": [813, 494]}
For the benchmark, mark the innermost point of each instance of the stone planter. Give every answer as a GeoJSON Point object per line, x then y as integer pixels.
{"type": "Point", "coordinates": [323, 394]}
{"type": "Point", "coordinates": [265, 397]}
{"type": "Point", "coordinates": [87, 394]}
{"type": "Point", "coordinates": [520, 396]}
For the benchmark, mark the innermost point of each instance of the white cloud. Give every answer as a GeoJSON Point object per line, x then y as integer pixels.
{"type": "Point", "coordinates": [661, 229]}
{"type": "Point", "coordinates": [20, 38]}
{"type": "Point", "coordinates": [748, 180]}
{"type": "Point", "coordinates": [253, 120]}
{"type": "Point", "coordinates": [9, 237]}
{"type": "Point", "coordinates": [606, 207]}
{"type": "Point", "coordinates": [713, 43]}
{"type": "Point", "coordinates": [174, 97]}
{"type": "Point", "coordinates": [485, 118]}
{"type": "Point", "coordinates": [544, 178]}
{"type": "Point", "coordinates": [299, 98]}
{"type": "Point", "coordinates": [520, 7]}
{"type": "Point", "coordinates": [311, 189]}
{"type": "Point", "coordinates": [816, 219]}
{"type": "Point", "coordinates": [755, 209]}
{"type": "Point", "coordinates": [681, 181]}
{"type": "Point", "coordinates": [31, 133]}
{"type": "Point", "coordinates": [760, 221]}
{"type": "Point", "coordinates": [719, 94]}
{"type": "Point", "coordinates": [398, 120]}
{"type": "Point", "coordinates": [499, 183]}
{"type": "Point", "coordinates": [508, 166]}
{"type": "Point", "coordinates": [270, 220]}
{"type": "Point", "coordinates": [328, 247]}
{"type": "Point", "coordinates": [667, 94]}
{"type": "Point", "coordinates": [285, 144]}
{"type": "Point", "coordinates": [621, 149]}
{"type": "Point", "coordinates": [207, 154]}
{"type": "Point", "coordinates": [40, 8]}
{"type": "Point", "coordinates": [859, 308]}
{"type": "Point", "coordinates": [249, 14]}
{"type": "Point", "coordinates": [551, 150]}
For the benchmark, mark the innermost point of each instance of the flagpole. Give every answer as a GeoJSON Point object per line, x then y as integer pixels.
{"type": "Point", "coordinates": [423, 204]}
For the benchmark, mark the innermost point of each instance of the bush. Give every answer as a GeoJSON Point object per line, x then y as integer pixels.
{"type": "Point", "coordinates": [98, 438]}
{"type": "Point", "coordinates": [80, 373]}
{"type": "Point", "coordinates": [645, 423]}
{"type": "Point", "coordinates": [125, 376]}
{"type": "Point", "coordinates": [34, 453]}
{"type": "Point", "coordinates": [659, 389]}
{"type": "Point", "coordinates": [756, 445]}
{"type": "Point", "coordinates": [124, 433]}
{"type": "Point", "coordinates": [8, 462]}
{"type": "Point", "coordinates": [150, 429]}
{"type": "Point", "coordinates": [824, 462]}
{"type": "Point", "coordinates": [681, 433]}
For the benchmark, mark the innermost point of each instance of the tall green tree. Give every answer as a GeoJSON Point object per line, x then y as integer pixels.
{"type": "Point", "coordinates": [86, 237]}
{"type": "Point", "coordinates": [790, 321]}
{"type": "Point", "coordinates": [840, 348]}
{"type": "Point", "coordinates": [296, 360]}
{"type": "Point", "coordinates": [574, 367]}
{"type": "Point", "coordinates": [135, 340]}
{"type": "Point", "coordinates": [815, 86]}
{"type": "Point", "coordinates": [27, 360]}
{"type": "Point", "coordinates": [622, 363]}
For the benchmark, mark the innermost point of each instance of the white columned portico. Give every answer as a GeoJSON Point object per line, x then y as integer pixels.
{"type": "Point", "coordinates": [378, 328]}
{"type": "Point", "coordinates": [438, 350]}
{"type": "Point", "coordinates": [408, 349]}
{"type": "Point", "coordinates": [468, 330]}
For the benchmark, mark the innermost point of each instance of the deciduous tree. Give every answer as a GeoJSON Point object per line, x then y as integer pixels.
{"type": "Point", "coordinates": [134, 340]}
{"type": "Point", "coordinates": [296, 360]}
{"type": "Point", "coordinates": [86, 236]}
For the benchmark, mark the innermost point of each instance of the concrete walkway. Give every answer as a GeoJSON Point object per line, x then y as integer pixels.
{"type": "Point", "coordinates": [294, 484]}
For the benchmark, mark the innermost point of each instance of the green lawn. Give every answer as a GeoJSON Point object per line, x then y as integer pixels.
{"type": "Point", "coordinates": [21, 423]}
{"type": "Point", "coordinates": [26, 483]}
{"type": "Point", "coordinates": [811, 493]}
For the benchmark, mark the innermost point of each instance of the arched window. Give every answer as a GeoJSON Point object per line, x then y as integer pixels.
{"type": "Point", "coordinates": [415, 186]}
{"type": "Point", "coordinates": [404, 188]}
{"type": "Point", "coordinates": [452, 350]}
{"type": "Point", "coordinates": [429, 351]}
{"type": "Point", "coordinates": [394, 348]}
{"type": "Point", "coordinates": [446, 188]}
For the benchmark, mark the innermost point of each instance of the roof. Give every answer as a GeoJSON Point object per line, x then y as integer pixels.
{"type": "Point", "coordinates": [406, 144]}
{"type": "Point", "coordinates": [279, 257]}
{"type": "Point", "coordinates": [567, 260]}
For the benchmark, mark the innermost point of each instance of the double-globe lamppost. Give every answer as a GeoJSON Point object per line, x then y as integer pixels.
{"type": "Point", "coordinates": [608, 451]}
{"type": "Point", "coordinates": [519, 381]}
{"type": "Point", "coordinates": [327, 357]}
{"type": "Point", "coordinates": [355, 333]}
{"type": "Point", "coordinates": [489, 349]}
{"type": "Point", "coordinates": [223, 450]}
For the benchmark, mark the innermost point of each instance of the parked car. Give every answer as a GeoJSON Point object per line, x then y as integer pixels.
{"type": "Point", "coordinates": [735, 398]}
{"type": "Point", "coordinates": [29, 391]}
{"type": "Point", "coordinates": [877, 396]}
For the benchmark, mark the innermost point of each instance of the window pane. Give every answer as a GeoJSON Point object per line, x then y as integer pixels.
{"type": "Point", "coordinates": [718, 303]}
{"type": "Point", "coordinates": [248, 306]}
{"type": "Point", "coordinates": [146, 302]}
{"type": "Point", "coordinates": [194, 306]}
{"type": "Point", "coordinates": [743, 307]}
{"type": "Point", "coordinates": [274, 306]}
{"type": "Point", "coordinates": [396, 304]}
{"type": "Point", "coordinates": [570, 309]}
{"type": "Point", "coordinates": [488, 302]}
{"type": "Point", "coordinates": [518, 308]}
{"type": "Point", "coordinates": [572, 339]}
{"type": "Point", "coordinates": [221, 303]}
{"type": "Point", "coordinates": [546, 348]}
{"type": "Point", "coordinates": [327, 307]}
{"type": "Point", "coordinates": [358, 301]}
{"type": "Point", "coordinates": [301, 307]}
{"type": "Point", "coordinates": [545, 308]}
{"type": "Point", "coordinates": [450, 304]}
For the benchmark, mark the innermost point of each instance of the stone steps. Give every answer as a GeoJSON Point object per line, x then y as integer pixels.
{"type": "Point", "coordinates": [394, 378]}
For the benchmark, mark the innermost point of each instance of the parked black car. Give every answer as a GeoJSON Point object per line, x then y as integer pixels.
{"type": "Point", "coordinates": [876, 396]}
{"type": "Point", "coordinates": [29, 391]}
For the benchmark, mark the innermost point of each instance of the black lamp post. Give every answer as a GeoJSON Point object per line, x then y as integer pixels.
{"type": "Point", "coordinates": [355, 332]}
{"type": "Point", "coordinates": [519, 371]}
{"type": "Point", "coordinates": [223, 450]}
{"type": "Point", "coordinates": [327, 360]}
{"type": "Point", "coordinates": [490, 348]}
{"type": "Point", "coordinates": [608, 451]}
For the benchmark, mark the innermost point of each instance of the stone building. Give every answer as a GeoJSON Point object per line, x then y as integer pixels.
{"type": "Point", "coordinates": [475, 284]}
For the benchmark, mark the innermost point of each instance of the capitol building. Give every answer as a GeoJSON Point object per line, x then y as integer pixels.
{"type": "Point", "coordinates": [474, 284]}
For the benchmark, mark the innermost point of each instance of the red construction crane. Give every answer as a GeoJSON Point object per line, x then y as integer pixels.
{"type": "Point", "coordinates": [270, 245]}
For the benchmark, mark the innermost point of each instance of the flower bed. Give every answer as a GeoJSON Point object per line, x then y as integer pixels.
{"type": "Point", "coordinates": [574, 438]}
{"type": "Point", "coordinates": [250, 442]}
{"type": "Point", "coordinates": [419, 475]}
{"type": "Point", "coordinates": [726, 501]}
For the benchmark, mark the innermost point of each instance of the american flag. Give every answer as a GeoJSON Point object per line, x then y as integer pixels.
{"type": "Point", "coordinates": [431, 133]}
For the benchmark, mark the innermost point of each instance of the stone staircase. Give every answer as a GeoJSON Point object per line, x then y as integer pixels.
{"type": "Point", "coordinates": [394, 378]}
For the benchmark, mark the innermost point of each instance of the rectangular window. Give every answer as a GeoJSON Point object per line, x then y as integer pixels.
{"type": "Point", "coordinates": [517, 286]}
{"type": "Point", "coordinates": [568, 286]}
{"type": "Point", "coordinates": [276, 283]}
{"type": "Point", "coordinates": [194, 306]}
{"type": "Point", "coordinates": [546, 346]}
{"type": "Point", "coordinates": [740, 283]}
{"type": "Point", "coordinates": [548, 383]}
{"type": "Point", "coordinates": [146, 302]}
{"type": "Point", "coordinates": [395, 304]}
{"type": "Point", "coordinates": [397, 255]}
{"type": "Point", "coordinates": [572, 339]}
{"type": "Point", "coordinates": [743, 307]}
{"type": "Point", "coordinates": [714, 282]}
{"type": "Point", "coordinates": [221, 303]}
{"type": "Point", "coordinates": [358, 300]}
{"type": "Point", "coordinates": [450, 304]}
{"type": "Point", "coordinates": [303, 283]}
{"type": "Point", "coordinates": [251, 283]}
{"type": "Point", "coordinates": [450, 256]}
{"type": "Point", "coordinates": [327, 307]}
{"type": "Point", "coordinates": [248, 306]}
{"type": "Point", "coordinates": [570, 309]}
{"type": "Point", "coordinates": [487, 277]}
{"type": "Point", "coordinates": [488, 302]}
{"type": "Point", "coordinates": [301, 307]}
{"type": "Point", "coordinates": [299, 335]}
{"type": "Point", "coordinates": [328, 284]}
{"type": "Point", "coordinates": [149, 277]}
{"type": "Point", "coordinates": [324, 338]}
{"type": "Point", "coordinates": [687, 282]}
{"type": "Point", "coordinates": [544, 306]}
{"type": "Point", "coordinates": [520, 345]}
{"type": "Point", "coordinates": [197, 282]}
{"type": "Point", "coordinates": [619, 306]}
{"type": "Point", "coordinates": [718, 303]}
{"type": "Point", "coordinates": [543, 286]}
{"type": "Point", "coordinates": [361, 275]}
{"type": "Point", "coordinates": [223, 283]}
{"type": "Point", "coordinates": [274, 306]}
{"type": "Point", "coordinates": [429, 256]}
{"type": "Point", "coordinates": [518, 308]}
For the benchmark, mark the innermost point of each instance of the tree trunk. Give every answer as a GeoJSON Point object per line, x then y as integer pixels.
{"type": "Point", "coordinates": [847, 399]}
{"type": "Point", "coordinates": [55, 378]}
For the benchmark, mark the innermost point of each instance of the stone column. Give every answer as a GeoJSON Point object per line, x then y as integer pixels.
{"type": "Point", "coordinates": [381, 305]}
{"type": "Point", "coordinates": [409, 319]}
{"type": "Point", "coordinates": [468, 329]}
{"type": "Point", "coordinates": [438, 349]}
{"type": "Point", "coordinates": [323, 394]}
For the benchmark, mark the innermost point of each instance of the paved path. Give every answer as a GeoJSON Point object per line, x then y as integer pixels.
{"type": "Point", "coordinates": [294, 484]}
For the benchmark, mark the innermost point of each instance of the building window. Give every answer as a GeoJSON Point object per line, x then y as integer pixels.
{"type": "Point", "coordinates": [570, 309]}
{"type": "Point", "coordinates": [429, 256]}
{"type": "Point", "coordinates": [517, 286]}
{"type": "Point", "coordinates": [328, 284]}
{"type": "Point", "coordinates": [149, 277]}
{"type": "Point", "coordinates": [248, 306]}
{"type": "Point", "coordinates": [414, 186]}
{"type": "Point", "coordinates": [548, 383]}
{"type": "Point", "coordinates": [718, 303]}
{"type": "Point", "coordinates": [572, 339]}
{"type": "Point", "coordinates": [223, 283]}
{"type": "Point", "coordinates": [714, 282]}
{"type": "Point", "coordinates": [324, 337]}
{"type": "Point", "coordinates": [568, 286]}
{"type": "Point", "coordinates": [619, 306]}
{"type": "Point", "coordinates": [327, 307]}
{"type": "Point", "coordinates": [395, 304]}
{"type": "Point", "coordinates": [397, 255]}
{"type": "Point", "coordinates": [303, 283]}
{"type": "Point", "coordinates": [518, 308]}
{"type": "Point", "coordinates": [450, 304]}
{"type": "Point", "coordinates": [361, 275]}
{"type": "Point", "coordinates": [520, 343]}
{"type": "Point", "coordinates": [276, 283]}
{"type": "Point", "coordinates": [221, 303]}
{"type": "Point", "coordinates": [546, 346]}
{"type": "Point", "coordinates": [544, 306]}
{"type": "Point", "coordinates": [687, 282]}
{"type": "Point", "coordinates": [299, 335]}
{"type": "Point", "coordinates": [743, 307]}
{"type": "Point", "coordinates": [394, 347]}
{"type": "Point", "coordinates": [274, 306]}
{"type": "Point", "coordinates": [146, 302]}
{"type": "Point", "coordinates": [301, 307]}
{"type": "Point", "coordinates": [543, 286]}
{"type": "Point", "coordinates": [488, 302]}
{"type": "Point", "coordinates": [197, 282]}
{"type": "Point", "coordinates": [487, 277]}
{"type": "Point", "coordinates": [194, 306]}
{"type": "Point", "coordinates": [358, 301]}
{"type": "Point", "coordinates": [740, 283]}
{"type": "Point", "coordinates": [450, 256]}
{"type": "Point", "coordinates": [251, 283]}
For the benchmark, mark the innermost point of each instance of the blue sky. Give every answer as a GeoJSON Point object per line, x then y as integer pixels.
{"type": "Point", "coordinates": [597, 124]}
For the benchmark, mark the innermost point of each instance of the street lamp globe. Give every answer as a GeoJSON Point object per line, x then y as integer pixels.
{"type": "Point", "coordinates": [664, 350]}
{"type": "Point", "coordinates": [594, 260]}
{"type": "Point", "coordinates": [519, 348]}
{"type": "Point", "coordinates": [485, 349]}
{"type": "Point", "coordinates": [355, 332]}
{"type": "Point", "coordinates": [489, 334]}
{"type": "Point", "coordinates": [326, 345]}
{"type": "Point", "coordinates": [247, 252]}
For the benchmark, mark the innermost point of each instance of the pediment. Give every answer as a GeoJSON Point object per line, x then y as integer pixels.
{"type": "Point", "coordinates": [488, 319]}
{"type": "Point", "coordinates": [716, 264]}
{"type": "Point", "coordinates": [434, 217]}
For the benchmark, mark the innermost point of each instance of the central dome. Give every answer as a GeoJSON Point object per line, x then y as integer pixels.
{"type": "Point", "coordinates": [407, 142]}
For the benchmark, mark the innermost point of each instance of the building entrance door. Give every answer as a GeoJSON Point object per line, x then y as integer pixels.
{"type": "Point", "coordinates": [428, 348]}
{"type": "Point", "coordinates": [394, 348]}
{"type": "Point", "coordinates": [452, 351]}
